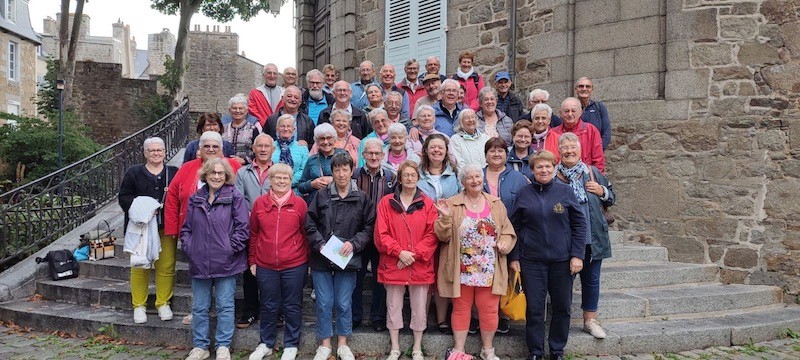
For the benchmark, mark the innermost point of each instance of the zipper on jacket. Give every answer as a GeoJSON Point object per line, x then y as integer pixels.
{"type": "Point", "coordinates": [544, 215]}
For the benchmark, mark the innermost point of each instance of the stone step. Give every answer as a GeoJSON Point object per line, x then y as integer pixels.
{"type": "Point", "coordinates": [616, 237]}
{"type": "Point", "coordinates": [119, 269]}
{"type": "Point", "coordinates": [670, 335]}
{"type": "Point", "coordinates": [179, 255]}
{"type": "Point", "coordinates": [620, 253]}
{"type": "Point", "coordinates": [636, 274]}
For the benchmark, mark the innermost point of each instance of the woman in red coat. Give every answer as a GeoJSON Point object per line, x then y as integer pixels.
{"type": "Point", "coordinates": [405, 239]}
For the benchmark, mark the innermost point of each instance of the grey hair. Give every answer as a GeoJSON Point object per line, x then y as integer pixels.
{"type": "Point", "coordinates": [210, 136]}
{"type": "Point", "coordinates": [387, 66]}
{"type": "Point", "coordinates": [411, 61]}
{"type": "Point", "coordinates": [432, 58]}
{"type": "Point", "coordinates": [466, 111]}
{"type": "Point", "coordinates": [448, 82]}
{"type": "Point", "coordinates": [262, 136]}
{"type": "Point", "coordinates": [284, 117]}
{"type": "Point", "coordinates": [540, 107]}
{"type": "Point", "coordinates": [375, 112]}
{"type": "Point", "coordinates": [568, 136]}
{"type": "Point", "coordinates": [268, 65]}
{"type": "Point", "coordinates": [373, 142]}
{"type": "Point", "coordinates": [238, 99]}
{"type": "Point", "coordinates": [314, 72]}
{"type": "Point", "coordinates": [397, 128]}
{"type": "Point", "coordinates": [537, 92]}
{"type": "Point", "coordinates": [485, 91]}
{"type": "Point", "coordinates": [370, 63]}
{"type": "Point", "coordinates": [153, 140]}
{"type": "Point", "coordinates": [293, 88]}
{"type": "Point", "coordinates": [341, 112]}
{"type": "Point", "coordinates": [324, 129]}
{"type": "Point", "coordinates": [467, 169]}
{"type": "Point", "coordinates": [393, 93]}
{"type": "Point", "coordinates": [422, 108]}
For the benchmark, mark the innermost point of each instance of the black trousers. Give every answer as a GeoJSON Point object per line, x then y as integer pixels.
{"type": "Point", "coordinates": [539, 279]}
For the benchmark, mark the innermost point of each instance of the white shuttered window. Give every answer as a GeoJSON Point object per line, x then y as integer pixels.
{"type": "Point", "coordinates": [415, 29]}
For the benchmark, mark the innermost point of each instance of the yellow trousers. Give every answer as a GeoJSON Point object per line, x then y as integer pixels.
{"type": "Point", "coordinates": [165, 275]}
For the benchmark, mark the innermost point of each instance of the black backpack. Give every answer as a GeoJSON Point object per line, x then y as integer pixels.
{"type": "Point", "coordinates": [61, 263]}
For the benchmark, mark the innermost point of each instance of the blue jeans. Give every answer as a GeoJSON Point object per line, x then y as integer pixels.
{"type": "Point", "coordinates": [281, 289]}
{"type": "Point", "coordinates": [334, 292]}
{"type": "Point", "coordinates": [223, 299]}
{"type": "Point", "coordinates": [539, 279]}
{"type": "Point", "coordinates": [590, 285]}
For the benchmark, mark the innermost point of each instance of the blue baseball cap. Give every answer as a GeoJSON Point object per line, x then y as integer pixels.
{"type": "Point", "coordinates": [502, 75]}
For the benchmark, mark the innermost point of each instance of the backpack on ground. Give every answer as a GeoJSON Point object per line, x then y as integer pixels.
{"type": "Point", "coordinates": [61, 263]}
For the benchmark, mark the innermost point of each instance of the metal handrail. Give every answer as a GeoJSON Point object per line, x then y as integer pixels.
{"type": "Point", "coordinates": [38, 213]}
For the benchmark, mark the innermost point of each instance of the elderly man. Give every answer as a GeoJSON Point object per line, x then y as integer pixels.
{"type": "Point", "coordinates": [265, 100]}
{"type": "Point", "coordinates": [366, 73]}
{"type": "Point", "coordinates": [252, 181]}
{"type": "Point", "coordinates": [447, 108]}
{"type": "Point", "coordinates": [507, 102]}
{"type": "Point", "coordinates": [387, 85]}
{"type": "Point", "coordinates": [594, 112]}
{"type": "Point", "coordinates": [289, 77]}
{"type": "Point", "coordinates": [359, 125]}
{"type": "Point", "coordinates": [589, 136]}
{"type": "Point", "coordinates": [539, 96]}
{"type": "Point", "coordinates": [431, 82]}
{"type": "Point", "coordinates": [412, 84]}
{"type": "Point", "coordinates": [304, 126]}
{"type": "Point", "coordinates": [393, 104]}
{"type": "Point", "coordinates": [433, 66]}
{"type": "Point", "coordinates": [377, 180]}
{"type": "Point", "coordinates": [330, 78]}
{"type": "Point", "coordinates": [315, 99]}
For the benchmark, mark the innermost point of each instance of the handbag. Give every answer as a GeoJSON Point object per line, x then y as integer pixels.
{"type": "Point", "coordinates": [101, 243]}
{"type": "Point", "coordinates": [61, 264]}
{"type": "Point", "coordinates": [513, 303]}
{"type": "Point", "coordinates": [610, 219]}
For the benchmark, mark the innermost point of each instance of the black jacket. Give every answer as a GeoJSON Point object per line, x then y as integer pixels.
{"type": "Point", "coordinates": [359, 124]}
{"type": "Point", "coordinates": [514, 109]}
{"type": "Point", "coordinates": [305, 127]}
{"type": "Point", "coordinates": [140, 182]}
{"type": "Point", "coordinates": [351, 218]}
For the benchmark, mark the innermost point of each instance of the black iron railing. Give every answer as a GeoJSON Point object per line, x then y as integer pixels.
{"type": "Point", "coordinates": [36, 214]}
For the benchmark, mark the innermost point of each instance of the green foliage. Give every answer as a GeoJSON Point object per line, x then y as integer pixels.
{"type": "Point", "coordinates": [47, 99]}
{"type": "Point", "coordinates": [152, 108]}
{"type": "Point", "coordinates": [220, 10]}
{"type": "Point", "coordinates": [790, 333]}
{"type": "Point", "coordinates": [171, 79]}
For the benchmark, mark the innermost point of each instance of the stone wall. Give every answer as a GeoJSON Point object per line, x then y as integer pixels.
{"type": "Point", "coordinates": [20, 92]}
{"type": "Point", "coordinates": [107, 102]}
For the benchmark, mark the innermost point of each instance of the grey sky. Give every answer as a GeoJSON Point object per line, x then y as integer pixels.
{"type": "Point", "coordinates": [265, 38]}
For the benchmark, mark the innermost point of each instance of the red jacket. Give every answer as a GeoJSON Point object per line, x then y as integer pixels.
{"type": "Point", "coordinates": [412, 95]}
{"type": "Point", "coordinates": [258, 106]}
{"type": "Point", "coordinates": [277, 235]}
{"type": "Point", "coordinates": [473, 85]}
{"type": "Point", "coordinates": [184, 185]}
{"type": "Point", "coordinates": [591, 143]}
{"type": "Point", "coordinates": [410, 230]}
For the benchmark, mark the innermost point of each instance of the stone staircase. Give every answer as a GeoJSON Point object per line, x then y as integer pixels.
{"type": "Point", "coordinates": [648, 304]}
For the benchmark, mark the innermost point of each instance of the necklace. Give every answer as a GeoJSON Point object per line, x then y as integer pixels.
{"type": "Point", "coordinates": [475, 202]}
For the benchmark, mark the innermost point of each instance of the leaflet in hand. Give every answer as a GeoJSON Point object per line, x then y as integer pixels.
{"type": "Point", "coordinates": [331, 251]}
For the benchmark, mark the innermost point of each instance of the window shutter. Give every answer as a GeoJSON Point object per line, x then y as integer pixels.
{"type": "Point", "coordinates": [415, 29]}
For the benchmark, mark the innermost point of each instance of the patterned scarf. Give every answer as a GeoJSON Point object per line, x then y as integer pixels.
{"type": "Point", "coordinates": [573, 175]}
{"type": "Point", "coordinates": [286, 155]}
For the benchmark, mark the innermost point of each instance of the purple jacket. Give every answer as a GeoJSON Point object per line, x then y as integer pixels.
{"type": "Point", "coordinates": [214, 236]}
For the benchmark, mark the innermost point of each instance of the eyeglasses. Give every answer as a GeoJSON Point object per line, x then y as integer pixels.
{"type": "Point", "coordinates": [539, 101]}
{"type": "Point", "coordinates": [155, 151]}
{"type": "Point", "coordinates": [215, 147]}
{"type": "Point", "coordinates": [315, 82]}
{"type": "Point", "coordinates": [450, 91]}
{"type": "Point", "coordinates": [409, 176]}
{"type": "Point", "coordinates": [372, 153]}
{"type": "Point", "coordinates": [584, 86]}
{"type": "Point", "coordinates": [217, 173]}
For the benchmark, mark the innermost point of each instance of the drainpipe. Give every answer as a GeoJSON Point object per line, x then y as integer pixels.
{"type": "Point", "coordinates": [512, 41]}
{"type": "Point", "coordinates": [570, 47]}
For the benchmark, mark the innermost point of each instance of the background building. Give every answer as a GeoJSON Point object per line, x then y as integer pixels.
{"type": "Point", "coordinates": [18, 53]}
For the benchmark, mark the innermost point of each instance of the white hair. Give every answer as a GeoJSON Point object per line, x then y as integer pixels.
{"type": "Point", "coordinates": [537, 92]}
{"type": "Point", "coordinates": [448, 82]}
{"type": "Point", "coordinates": [238, 99]}
{"type": "Point", "coordinates": [373, 142]}
{"type": "Point", "coordinates": [568, 136]}
{"type": "Point", "coordinates": [467, 169]}
{"type": "Point", "coordinates": [375, 113]}
{"type": "Point", "coordinates": [314, 72]}
{"type": "Point", "coordinates": [324, 129]}
{"type": "Point", "coordinates": [153, 140]}
{"type": "Point", "coordinates": [397, 128]}
{"type": "Point", "coordinates": [540, 107]}
{"type": "Point", "coordinates": [210, 136]}
{"type": "Point", "coordinates": [458, 127]}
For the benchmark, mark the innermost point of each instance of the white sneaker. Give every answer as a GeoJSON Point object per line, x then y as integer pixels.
{"type": "Point", "coordinates": [223, 353]}
{"type": "Point", "coordinates": [323, 353]}
{"type": "Point", "coordinates": [165, 313]}
{"type": "Point", "coordinates": [417, 355]}
{"type": "Point", "coordinates": [488, 354]}
{"type": "Point", "coordinates": [139, 315]}
{"type": "Point", "coordinates": [345, 353]}
{"type": "Point", "coordinates": [198, 354]}
{"type": "Point", "coordinates": [261, 351]}
{"type": "Point", "coordinates": [187, 320]}
{"type": "Point", "coordinates": [592, 326]}
{"type": "Point", "coordinates": [289, 353]}
{"type": "Point", "coordinates": [394, 355]}
{"type": "Point", "coordinates": [313, 294]}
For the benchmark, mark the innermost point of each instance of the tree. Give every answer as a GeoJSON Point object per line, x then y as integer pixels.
{"type": "Point", "coordinates": [220, 10]}
{"type": "Point", "coordinates": [68, 46]}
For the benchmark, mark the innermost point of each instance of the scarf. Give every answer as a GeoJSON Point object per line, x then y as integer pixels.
{"type": "Point", "coordinates": [540, 137]}
{"type": "Point", "coordinates": [467, 136]}
{"type": "Point", "coordinates": [464, 75]}
{"type": "Point", "coordinates": [279, 200]}
{"type": "Point", "coordinates": [573, 176]}
{"type": "Point", "coordinates": [286, 155]}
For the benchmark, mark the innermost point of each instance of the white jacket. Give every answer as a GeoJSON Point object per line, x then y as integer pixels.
{"type": "Point", "coordinates": [141, 238]}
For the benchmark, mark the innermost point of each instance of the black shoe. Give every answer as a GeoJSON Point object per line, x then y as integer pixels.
{"type": "Point", "coordinates": [502, 326]}
{"type": "Point", "coordinates": [474, 325]}
{"type": "Point", "coordinates": [445, 328]}
{"type": "Point", "coordinates": [557, 357]}
{"type": "Point", "coordinates": [245, 321]}
{"type": "Point", "coordinates": [280, 321]}
{"type": "Point", "coordinates": [356, 324]}
{"type": "Point", "coordinates": [378, 326]}
{"type": "Point", "coordinates": [535, 357]}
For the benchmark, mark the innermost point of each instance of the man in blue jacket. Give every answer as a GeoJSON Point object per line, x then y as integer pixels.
{"type": "Point", "coordinates": [366, 74]}
{"type": "Point", "coordinates": [594, 112]}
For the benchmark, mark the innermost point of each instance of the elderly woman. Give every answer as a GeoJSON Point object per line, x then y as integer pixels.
{"type": "Point", "coordinates": [239, 131]}
{"type": "Point", "coordinates": [594, 192]}
{"type": "Point", "coordinates": [317, 173]}
{"type": "Point", "coordinates": [500, 179]}
{"type": "Point", "coordinates": [493, 121]}
{"type": "Point", "coordinates": [476, 236]}
{"type": "Point", "coordinates": [278, 258]}
{"type": "Point", "coordinates": [469, 78]}
{"type": "Point", "coordinates": [406, 242]}
{"type": "Point", "coordinates": [520, 150]}
{"type": "Point", "coordinates": [543, 137]}
{"type": "Point", "coordinates": [287, 150]}
{"type": "Point", "coordinates": [214, 238]}
{"type": "Point", "coordinates": [207, 122]}
{"type": "Point", "coordinates": [340, 119]}
{"type": "Point", "coordinates": [151, 179]}
{"type": "Point", "coordinates": [398, 150]}
{"type": "Point", "coordinates": [551, 225]}
{"type": "Point", "coordinates": [379, 120]}
{"type": "Point", "coordinates": [393, 105]}
{"type": "Point", "coordinates": [468, 141]}
{"type": "Point", "coordinates": [339, 212]}
{"type": "Point", "coordinates": [374, 98]}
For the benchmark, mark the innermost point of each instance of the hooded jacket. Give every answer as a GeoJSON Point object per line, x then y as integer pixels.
{"type": "Point", "coordinates": [278, 234]}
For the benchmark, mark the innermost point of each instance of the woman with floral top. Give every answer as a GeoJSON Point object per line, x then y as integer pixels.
{"type": "Point", "coordinates": [476, 237]}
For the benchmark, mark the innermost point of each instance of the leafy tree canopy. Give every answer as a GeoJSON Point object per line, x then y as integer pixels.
{"type": "Point", "coordinates": [220, 10]}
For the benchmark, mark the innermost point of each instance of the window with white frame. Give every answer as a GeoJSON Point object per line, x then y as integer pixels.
{"type": "Point", "coordinates": [13, 107]}
{"type": "Point", "coordinates": [11, 10]}
{"type": "Point", "coordinates": [13, 61]}
{"type": "Point", "coordinates": [415, 29]}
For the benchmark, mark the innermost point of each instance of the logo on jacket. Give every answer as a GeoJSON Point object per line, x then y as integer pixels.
{"type": "Point", "coordinates": [558, 208]}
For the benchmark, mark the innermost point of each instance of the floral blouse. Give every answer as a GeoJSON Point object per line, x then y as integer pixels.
{"type": "Point", "coordinates": [478, 239]}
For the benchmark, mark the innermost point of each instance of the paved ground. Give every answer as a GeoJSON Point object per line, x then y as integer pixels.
{"type": "Point", "coordinates": [18, 343]}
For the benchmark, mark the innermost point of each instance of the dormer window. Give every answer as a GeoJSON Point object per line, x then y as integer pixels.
{"type": "Point", "coordinates": [11, 10]}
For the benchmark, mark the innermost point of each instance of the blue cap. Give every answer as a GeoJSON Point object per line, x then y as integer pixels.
{"type": "Point", "coordinates": [502, 75]}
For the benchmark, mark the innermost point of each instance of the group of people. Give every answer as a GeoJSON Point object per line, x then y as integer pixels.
{"type": "Point", "coordinates": [441, 186]}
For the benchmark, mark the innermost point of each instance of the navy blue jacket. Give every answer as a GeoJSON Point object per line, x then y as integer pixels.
{"type": "Point", "coordinates": [596, 114]}
{"type": "Point", "coordinates": [508, 184]}
{"type": "Point", "coordinates": [550, 223]}
{"type": "Point", "coordinates": [554, 119]}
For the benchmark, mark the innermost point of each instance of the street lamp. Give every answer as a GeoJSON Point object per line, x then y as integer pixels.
{"type": "Point", "coordinates": [60, 88]}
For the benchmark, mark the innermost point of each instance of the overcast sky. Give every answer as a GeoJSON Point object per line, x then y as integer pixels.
{"type": "Point", "coordinates": [265, 38]}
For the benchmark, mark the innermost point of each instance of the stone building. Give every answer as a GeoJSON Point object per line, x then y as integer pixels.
{"type": "Point", "coordinates": [703, 97]}
{"type": "Point", "coordinates": [18, 52]}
